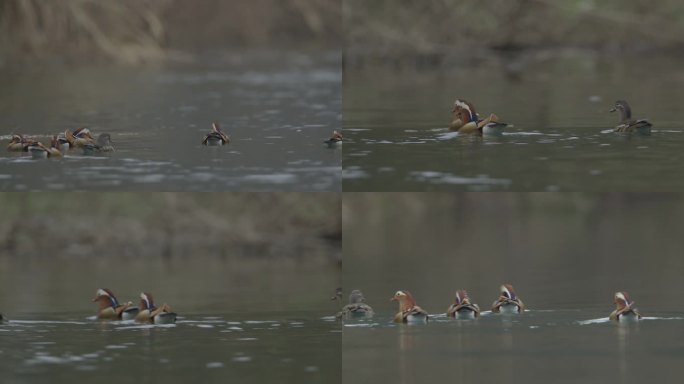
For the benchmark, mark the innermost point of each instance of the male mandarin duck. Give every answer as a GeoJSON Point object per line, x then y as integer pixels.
{"type": "Point", "coordinates": [104, 144]}
{"type": "Point", "coordinates": [151, 314]}
{"type": "Point", "coordinates": [462, 308]}
{"type": "Point", "coordinates": [624, 310]}
{"type": "Point", "coordinates": [110, 309]}
{"type": "Point", "coordinates": [508, 302]}
{"type": "Point", "coordinates": [79, 138]}
{"type": "Point", "coordinates": [40, 151]}
{"type": "Point", "coordinates": [357, 308]}
{"type": "Point", "coordinates": [466, 120]}
{"type": "Point", "coordinates": [216, 136]}
{"type": "Point", "coordinates": [19, 143]}
{"type": "Point", "coordinates": [627, 123]}
{"type": "Point", "coordinates": [335, 140]}
{"type": "Point", "coordinates": [409, 312]}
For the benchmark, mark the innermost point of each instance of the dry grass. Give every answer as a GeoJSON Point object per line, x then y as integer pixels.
{"type": "Point", "coordinates": [142, 31]}
{"type": "Point", "coordinates": [463, 25]}
{"type": "Point", "coordinates": [170, 225]}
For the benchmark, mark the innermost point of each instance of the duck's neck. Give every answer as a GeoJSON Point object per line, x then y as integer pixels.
{"type": "Point", "coordinates": [626, 112]}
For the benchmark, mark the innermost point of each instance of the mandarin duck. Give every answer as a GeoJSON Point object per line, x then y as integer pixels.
{"type": "Point", "coordinates": [508, 301]}
{"type": "Point", "coordinates": [409, 312]}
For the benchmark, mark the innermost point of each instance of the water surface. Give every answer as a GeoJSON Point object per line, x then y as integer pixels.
{"type": "Point", "coordinates": [246, 320]}
{"type": "Point", "coordinates": [397, 138]}
{"type": "Point", "coordinates": [276, 107]}
{"type": "Point", "coordinates": [566, 254]}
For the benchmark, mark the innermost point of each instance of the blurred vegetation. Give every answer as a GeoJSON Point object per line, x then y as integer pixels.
{"type": "Point", "coordinates": [465, 26]}
{"type": "Point", "coordinates": [141, 31]}
{"type": "Point", "coordinates": [170, 225]}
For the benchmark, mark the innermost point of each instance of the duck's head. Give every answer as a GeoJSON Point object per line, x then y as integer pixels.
{"type": "Point", "coordinates": [338, 294]}
{"type": "Point", "coordinates": [215, 127]}
{"type": "Point", "coordinates": [464, 111]}
{"type": "Point", "coordinates": [106, 298]}
{"type": "Point", "coordinates": [356, 297]}
{"type": "Point", "coordinates": [622, 300]}
{"type": "Point", "coordinates": [623, 107]}
{"type": "Point", "coordinates": [104, 139]}
{"type": "Point", "coordinates": [83, 133]}
{"type": "Point", "coordinates": [17, 138]}
{"type": "Point", "coordinates": [507, 292]}
{"type": "Point", "coordinates": [461, 297]}
{"type": "Point", "coordinates": [405, 300]}
{"type": "Point", "coordinates": [146, 300]}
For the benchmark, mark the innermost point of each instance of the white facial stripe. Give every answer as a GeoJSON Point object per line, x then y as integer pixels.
{"type": "Point", "coordinates": [621, 296]}
{"type": "Point", "coordinates": [400, 293]}
{"type": "Point", "coordinates": [506, 291]}
{"type": "Point", "coordinates": [465, 106]}
{"type": "Point", "coordinates": [102, 292]}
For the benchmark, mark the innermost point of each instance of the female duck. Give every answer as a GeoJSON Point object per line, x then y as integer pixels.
{"type": "Point", "coordinates": [110, 309]}
{"type": "Point", "coordinates": [624, 311]}
{"type": "Point", "coordinates": [104, 144]}
{"type": "Point", "coordinates": [462, 308]}
{"type": "Point", "coordinates": [627, 123]}
{"type": "Point", "coordinates": [508, 301]}
{"type": "Point", "coordinates": [151, 314]}
{"type": "Point", "coordinates": [215, 136]}
{"type": "Point", "coordinates": [409, 312]}
{"type": "Point", "coordinates": [466, 120]}
{"type": "Point", "coordinates": [19, 143]}
{"type": "Point", "coordinates": [357, 308]}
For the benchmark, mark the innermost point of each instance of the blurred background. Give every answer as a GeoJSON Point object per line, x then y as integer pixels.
{"type": "Point", "coordinates": [132, 31]}
{"type": "Point", "coordinates": [440, 27]}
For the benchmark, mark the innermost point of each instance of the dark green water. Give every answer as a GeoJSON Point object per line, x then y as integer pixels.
{"type": "Point", "coordinates": [397, 138]}
{"type": "Point", "coordinates": [276, 107]}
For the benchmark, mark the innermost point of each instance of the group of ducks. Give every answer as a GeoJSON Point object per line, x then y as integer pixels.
{"type": "Point", "coordinates": [81, 138]}
{"type": "Point", "coordinates": [462, 308]}
{"type": "Point", "coordinates": [145, 312]}
{"type": "Point", "coordinates": [466, 120]}
{"type": "Point", "coordinates": [217, 137]}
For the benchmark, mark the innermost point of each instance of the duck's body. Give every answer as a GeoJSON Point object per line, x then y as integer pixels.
{"type": "Point", "coordinates": [462, 308]}
{"type": "Point", "coordinates": [151, 314]}
{"type": "Point", "coordinates": [335, 140]}
{"type": "Point", "coordinates": [104, 144]}
{"type": "Point", "coordinates": [40, 151]}
{"type": "Point", "coordinates": [357, 308]}
{"type": "Point", "coordinates": [111, 309]}
{"type": "Point", "coordinates": [62, 143]}
{"type": "Point", "coordinates": [466, 120]}
{"type": "Point", "coordinates": [627, 123]}
{"type": "Point", "coordinates": [19, 143]}
{"type": "Point", "coordinates": [409, 311]}
{"type": "Point", "coordinates": [215, 137]}
{"type": "Point", "coordinates": [508, 302]}
{"type": "Point", "coordinates": [79, 138]}
{"type": "Point", "coordinates": [624, 311]}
